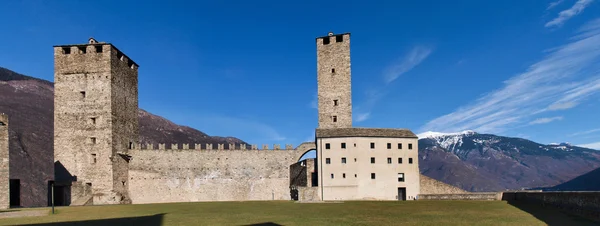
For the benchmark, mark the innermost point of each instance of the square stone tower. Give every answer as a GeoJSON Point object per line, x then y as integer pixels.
{"type": "Point", "coordinates": [333, 79]}
{"type": "Point", "coordinates": [4, 172]}
{"type": "Point", "coordinates": [95, 123]}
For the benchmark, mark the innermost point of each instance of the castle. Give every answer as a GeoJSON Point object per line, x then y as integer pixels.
{"type": "Point", "coordinates": [98, 159]}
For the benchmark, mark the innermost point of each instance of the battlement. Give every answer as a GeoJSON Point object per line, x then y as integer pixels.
{"type": "Point", "coordinates": [326, 40]}
{"type": "Point", "coordinates": [207, 147]}
{"type": "Point", "coordinates": [94, 47]}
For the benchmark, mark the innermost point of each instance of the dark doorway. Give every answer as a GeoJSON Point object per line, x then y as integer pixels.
{"type": "Point", "coordinates": [62, 195]}
{"type": "Point", "coordinates": [15, 192]}
{"type": "Point", "coordinates": [314, 179]}
{"type": "Point", "coordinates": [402, 194]}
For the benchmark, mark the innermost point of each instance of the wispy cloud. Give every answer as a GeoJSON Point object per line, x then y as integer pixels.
{"type": "Point", "coordinates": [553, 81]}
{"type": "Point", "coordinates": [406, 63]}
{"type": "Point", "coordinates": [565, 15]}
{"type": "Point", "coordinates": [362, 116]}
{"type": "Point", "coordinates": [363, 111]}
{"type": "Point", "coordinates": [585, 132]}
{"type": "Point", "coordinates": [403, 65]}
{"type": "Point", "coordinates": [545, 120]}
{"type": "Point", "coordinates": [575, 95]}
{"type": "Point", "coordinates": [554, 4]}
{"type": "Point", "coordinates": [591, 145]}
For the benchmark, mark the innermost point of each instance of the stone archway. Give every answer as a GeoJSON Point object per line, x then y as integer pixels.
{"type": "Point", "coordinates": [303, 149]}
{"type": "Point", "coordinates": [303, 173]}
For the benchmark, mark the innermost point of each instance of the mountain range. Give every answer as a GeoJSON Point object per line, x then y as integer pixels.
{"type": "Point", "coordinates": [468, 160]}
{"type": "Point", "coordinates": [486, 162]}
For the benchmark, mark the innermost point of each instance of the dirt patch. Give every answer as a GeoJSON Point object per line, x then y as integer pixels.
{"type": "Point", "coordinates": [24, 213]}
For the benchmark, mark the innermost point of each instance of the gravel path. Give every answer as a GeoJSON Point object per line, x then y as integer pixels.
{"type": "Point", "coordinates": [24, 213]}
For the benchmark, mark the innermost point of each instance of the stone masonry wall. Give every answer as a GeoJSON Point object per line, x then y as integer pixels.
{"type": "Point", "coordinates": [333, 81]}
{"type": "Point", "coordinates": [490, 196]}
{"type": "Point", "coordinates": [298, 177]}
{"type": "Point", "coordinates": [125, 120]}
{"type": "Point", "coordinates": [188, 175]}
{"type": "Point", "coordinates": [585, 204]}
{"type": "Point", "coordinates": [4, 163]}
{"type": "Point", "coordinates": [432, 186]}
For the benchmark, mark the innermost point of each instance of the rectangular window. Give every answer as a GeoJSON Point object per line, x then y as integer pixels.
{"type": "Point", "coordinates": [400, 177]}
{"type": "Point", "coordinates": [409, 146]}
{"type": "Point", "coordinates": [327, 146]}
{"type": "Point", "coordinates": [335, 102]}
{"type": "Point", "coordinates": [325, 40]}
{"type": "Point", "coordinates": [389, 145]}
{"type": "Point", "coordinates": [373, 160]}
{"type": "Point", "coordinates": [409, 160]}
{"type": "Point", "coordinates": [82, 94]}
{"type": "Point", "coordinates": [93, 158]}
{"type": "Point", "coordinates": [343, 175]}
{"type": "Point", "coordinates": [344, 160]}
{"type": "Point", "coordinates": [372, 175]}
{"type": "Point", "coordinates": [93, 120]}
{"type": "Point", "coordinates": [343, 145]}
{"type": "Point", "coordinates": [372, 145]}
{"type": "Point", "coordinates": [399, 160]}
{"type": "Point", "coordinates": [332, 176]}
{"type": "Point", "coordinates": [93, 140]}
{"type": "Point", "coordinates": [333, 70]}
{"type": "Point", "coordinates": [327, 161]}
{"type": "Point", "coordinates": [334, 118]}
{"type": "Point", "coordinates": [389, 160]}
{"type": "Point", "coordinates": [399, 145]}
{"type": "Point", "coordinates": [98, 49]}
{"type": "Point", "coordinates": [339, 38]}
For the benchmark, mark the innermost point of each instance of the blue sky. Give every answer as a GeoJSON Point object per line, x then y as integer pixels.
{"type": "Point", "coordinates": [248, 68]}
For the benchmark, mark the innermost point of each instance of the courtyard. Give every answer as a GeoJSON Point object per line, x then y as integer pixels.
{"type": "Point", "coordinates": [292, 213]}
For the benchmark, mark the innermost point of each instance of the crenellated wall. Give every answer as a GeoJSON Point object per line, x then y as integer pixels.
{"type": "Point", "coordinates": [175, 146]}
{"type": "Point", "coordinates": [187, 174]}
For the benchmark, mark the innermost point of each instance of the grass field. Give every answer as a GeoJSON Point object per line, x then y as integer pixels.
{"type": "Point", "coordinates": [290, 213]}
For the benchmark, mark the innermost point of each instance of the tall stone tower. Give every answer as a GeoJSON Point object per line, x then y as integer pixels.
{"type": "Point", "coordinates": [333, 78]}
{"type": "Point", "coordinates": [95, 123]}
{"type": "Point", "coordinates": [4, 172]}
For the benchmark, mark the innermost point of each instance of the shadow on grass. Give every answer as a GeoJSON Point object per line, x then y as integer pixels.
{"type": "Point", "coordinates": [263, 224]}
{"type": "Point", "coordinates": [152, 220]}
{"type": "Point", "coordinates": [9, 210]}
{"type": "Point", "coordinates": [552, 216]}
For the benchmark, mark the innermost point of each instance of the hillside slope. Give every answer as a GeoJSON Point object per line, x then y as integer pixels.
{"type": "Point", "coordinates": [586, 182]}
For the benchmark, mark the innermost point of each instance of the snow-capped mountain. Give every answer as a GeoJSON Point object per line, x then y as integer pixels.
{"type": "Point", "coordinates": [486, 162]}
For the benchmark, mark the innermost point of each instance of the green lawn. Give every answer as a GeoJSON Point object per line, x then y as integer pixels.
{"type": "Point", "coordinates": [289, 213]}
